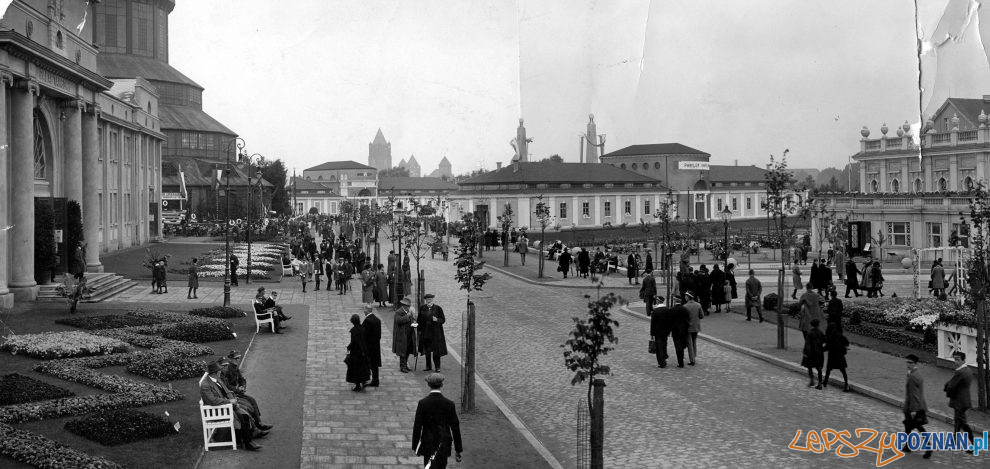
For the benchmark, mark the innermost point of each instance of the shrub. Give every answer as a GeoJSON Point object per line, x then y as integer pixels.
{"type": "Point", "coordinates": [218, 312]}
{"type": "Point", "coordinates": [121, 426]}
{"type": "Point", "coordinates": [198, 333]}
{"type": "Point", "coordinates": [62, 345]}
{"type": "Point", "coordinates": [169, 368]}
{"type": "Point", "coordinates": [892, 335]}
{"type": "Point", "coordinates": [38, 451]}
{"type": "Point", "coordinates": [113, 321]}
{"type": "Point", "coordinates": [16, 389]}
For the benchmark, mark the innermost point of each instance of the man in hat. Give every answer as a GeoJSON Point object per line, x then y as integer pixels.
{"type": "Point", "coordinates": [432, 342]}
{"type": "Point", "coordinates": [436, 426]}
{"type": "Point", "coordinates": [230, 374]}
{"type": "Point", "coordinates": [680, 320]}
{"type": "Point", "coordinates": [373, 336]}
{"type": "Point", "coordinates": [403, 338]}
{"type": "Point", "coordinates": [214, 393]}
{"type": "Point", "coordinates": [957, 390]}
{"type": "Point", "coordinates": [659, 330]}
{"type": "Point", "coordinates": [915, 408]}
{"type": "Point", "coordinates": [648, 292]}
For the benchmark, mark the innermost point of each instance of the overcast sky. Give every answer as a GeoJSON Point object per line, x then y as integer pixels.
{"type": "Point", "coordinates": [740, 80]}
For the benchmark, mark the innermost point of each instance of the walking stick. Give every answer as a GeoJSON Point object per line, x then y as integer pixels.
{"type": "Point", "coordinates": [416, 346]}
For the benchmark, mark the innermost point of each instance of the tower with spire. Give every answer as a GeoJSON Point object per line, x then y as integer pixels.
{"type": "Point", "coordinates": [380, 152]}
{"type": "Point", "coordinates": [590, 148]}
{"type": "Point", "coordinates": [413, 166]}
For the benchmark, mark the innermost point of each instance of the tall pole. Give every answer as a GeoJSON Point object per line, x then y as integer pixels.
{"type": "Point", "coordinates": [248, 217]}
{"type": "Point", "coordinates": [238, 145]}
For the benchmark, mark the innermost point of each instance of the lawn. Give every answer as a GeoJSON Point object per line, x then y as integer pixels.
{"type": "Point", "coordinates": [179, 449]}
{"type": "Point", "coordinates": [128, 263]}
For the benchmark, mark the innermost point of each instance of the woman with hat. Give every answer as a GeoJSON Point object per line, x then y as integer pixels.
{"type": "Point", "coordinates": [357, 356]}
{"type": "Point", "coordinates": [403, 338]}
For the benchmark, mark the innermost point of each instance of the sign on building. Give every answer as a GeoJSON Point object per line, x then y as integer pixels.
{"type": "Point", "coordinates": [695, 165]}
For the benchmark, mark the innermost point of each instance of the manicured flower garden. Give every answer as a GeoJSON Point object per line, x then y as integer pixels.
{"type": "Point", "coordinates": [156, 345]}
{"type": "Point", "coordinates": [222, 312]}
{"type": "Point", "coordinates": [121, 426]}
{"type": "Point", "coordinates": [266, 261]}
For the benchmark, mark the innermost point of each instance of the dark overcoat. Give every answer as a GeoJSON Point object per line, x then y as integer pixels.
{"type": "Point", "coordinates": [717, 278]}
{"type": "Point", "coordinates": [373, 337]}
{"type": "Point", "coordinates": [403, 340]}
{"type": "Point", "coordinates": [357, 357]}
{"type": "Point", "coordinates": [814, 349]}
{"type": "Point", "coordinates": [430, 329]}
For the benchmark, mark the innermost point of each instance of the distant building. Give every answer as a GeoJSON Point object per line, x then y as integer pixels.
{"type": "Point", "coordinates": [443, 170]}
{"type": "Point", "coordinates": [425, 190]}
{"type": "Point", "coordinates": [350, 179]}
{"type": "Point", "coordinates": [412, 165]}
{"type": "Point", "coordinates": [307, 195]}
{"type": "Point", "coordinates": [380, 152]}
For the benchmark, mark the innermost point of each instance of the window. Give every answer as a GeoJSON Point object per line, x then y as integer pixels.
{"type": "Point", "coordinates": [874, 186]}
{"type": "Point", "coordinates": [585, 209]}
{"type": "Point", "coordinates": [563, 210]}
{"type": "Point", "coordinates": [608, 209]}
{"type": "Point", "coordinates": [895, 186]}
{"type": "Point", "coordinates": [299, 207]}
{"type": "Point", "coordinates": [634, 166]}
{"type": "Point", "coordinates": [969, 183]}
{"type": "Point", "coordinates": [720, 204]}
{"type": "Point", "coordinates": [749, 203]}
{"type": "Point", "coordinates": [899, 233]}
{"type": "Point", "coordinates": [656, 166]}
{"type": "Point", "coordinates": [646, 207]}
{"type": "Point", "coordinates": [40, 156]}
{"type": "Point", "coordinates": [918, 185]}
{"type": "Point", "coordinates": [628, 207]}
{"type": "Point", "coordinates": [934, 234]}
{"type": "Point", "coordinates": [942, 185]}
{"type": "Point", "coordinates": [623, 166]}
{"type": "Point", "coordinates": [735, 206]}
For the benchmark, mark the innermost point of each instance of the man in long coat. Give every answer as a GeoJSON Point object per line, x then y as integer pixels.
{"type": "Point", "coordinates": [957, 390]}
{"type": "Point", "coordinates": [381, 285]}
{"type": "Point", "coordinates": [564, 262]}
{"type": "Point", "coordinates": [373, 336]}
{"type": "Point", "coordinates": [810, 310]}
{"type": "Point", "coordinates": [432, 343]}
{"type": "Point", "coordinates": [659, 330]}
{"type": "Point", "coordinates": [938, 279]}
{"type": "Point", "coordinates": [679, 320]}
{"type": "Point", "coordinates": [403, 339]}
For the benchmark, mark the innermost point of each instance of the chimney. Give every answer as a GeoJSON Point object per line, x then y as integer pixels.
{"type": "Point", "coordinates": [737, 162]}
{"type": "Point", "coordinates": [498, 165]}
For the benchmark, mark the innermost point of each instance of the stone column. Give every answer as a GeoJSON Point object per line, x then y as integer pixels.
{"type": "Point", "coordinates": [22, 282]}
{"type": "Point", "coordinates": [928, 164]}
{"type": "Point", "coordinates": [92, 185]}
{"type": "Point", "coordinates": [575, 216]}
{"type": "Point", "coordinates": [598, 210]}
{"type": "Point", "coordinates": [862, 177]}
{"type": "Point", "coordinates": [953, 172]}
{"type": "Point", "coordinates": [6, 299]}
{"type": "Point", "coordinates": [72, 144]}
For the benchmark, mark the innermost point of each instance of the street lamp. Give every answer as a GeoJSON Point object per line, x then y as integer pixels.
{"type": "Point", "coordinates": [248, 160]}
{"type": "Point", "coordinates": [238, 144]}
{"type": "Point", "coordinates": [726, 215]}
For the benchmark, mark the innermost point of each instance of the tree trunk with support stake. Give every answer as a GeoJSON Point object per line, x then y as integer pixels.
{"type": "Point", "coordinates": [421, 287]}
{"type": "Point", "coordinates": [467, 388]}
{"type": "Point", "coordinates": [781, 329]}
{"type": "Point", "coordinates": [597, 412]}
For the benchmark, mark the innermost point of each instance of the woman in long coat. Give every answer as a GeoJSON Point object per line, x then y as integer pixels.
{"type": "Point", "coordinates": [193, 279]}
{"type": "Point", "coordinates": [632, 269]}
{"type": "Point", "coordinates": [381, 287]}
{"type": "Point", "coordinates": [717, 278]}
{"type": "Point", "coordinates": [367, 286]}
{"type": "Point", "coordinates": [852, 277]}
{"type": "Point", "coordinates": [814, 353]}
{"type": "Point", "coordinates": [796, 278]}
{"type": "Point", "coordinates": [358, 371]}
{"type": "Point", "coordinates": [584, 262]}
{"type": "Point", "coordinates": [564, 262]}
{"type": "Point", "coordinates": [836, 345]}
{"type": "Point", "coordinates": [876, 278]}
{"type": "Point", "coordinates": [730, 275]}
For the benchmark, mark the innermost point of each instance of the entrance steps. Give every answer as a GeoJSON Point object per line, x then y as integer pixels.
{"type": "Point", "coordinates": [102, 286]}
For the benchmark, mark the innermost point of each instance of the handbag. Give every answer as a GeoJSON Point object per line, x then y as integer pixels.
{"type": "Point", "coordinates": [653, 346]}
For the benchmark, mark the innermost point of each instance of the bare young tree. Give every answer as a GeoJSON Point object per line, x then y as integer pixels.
{"type": "Point", "coordinates": [543, 216]}
{"type": "Point", "coordinates": [505, 221]}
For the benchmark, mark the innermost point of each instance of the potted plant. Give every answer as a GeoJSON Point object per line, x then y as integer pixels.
{"type": "Point", "coordinates": [44, 243]}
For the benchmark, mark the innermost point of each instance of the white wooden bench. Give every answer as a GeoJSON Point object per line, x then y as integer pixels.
{"type": "Point", "coordinates": [263, 317]}
{"type": "Point", "coordinates": [214, 418]}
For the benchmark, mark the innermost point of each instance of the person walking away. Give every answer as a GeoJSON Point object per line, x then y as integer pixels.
{"type": "Point", "coordinates": [373, 336]}
{"type": "Point", "coordinates": [816, 276]}
{"type": "Point", "coordinates": [876, 276]}
{"type": "Point", "coordinates": [868, 285]}
{"type": "Point", "coordinates": [660, 322]}
{"type": "Point", "coordinates": [435, 427]}
{"type": "Point", "coordinates": [78, 292]}
{"type": "Point", "coordinates": [796, 279]}
{"type": "Point", "coordinates": [852, 278]}
{"type": "Point", "coordinates": [648, 292]}
{"type": "Point", "coordinates": [648, 265]}
{"type": "Point", "coordinates": [694, 327]}
{"type": "Point", "coordinates": [938, 279]}
{"type": "Point", "coordinates": [730, 276]}
{"type": "Point", "coordinates": [367, 285]}
{"type": "Point", "coordinates": [837, 346]}
{"type": "Point", "coordinates": [193, 279]}
{"type": "Point", "coordinates": [754, 290]}
{"type": "Point", "coordinates": [234, 263]}
{"type": "Point", "coordinates": [813, 356]}
{"type": "Point", "coordinates": [914, 402]}
{"type": "Point", "coordinates": [584, 262]}
{"type": "Point", "coordinates": [957, 390]}
{"type": "Point", "coordinates": [78, 265]}
{"type": "Point", "coordinates": [834, 310]}
{"type": "Point", "coordinates": [810, 310]}
{"type": "Point", "coordinates": [679, 322]}
{"type": "Point", "coordinates": [717, 278]}
{"type": "Point", "coordinates": [403, 339]}
{"type": "Point", "coordinates": [564, 262]}
{"type": "Point", "coordinates": [432, 343]}
{"type": "Point", "coordinates": [358, 372]}
{"type": "Point", "coordinates": [703, 285]}
{"type": "Point", "coordinates": [522, 245]}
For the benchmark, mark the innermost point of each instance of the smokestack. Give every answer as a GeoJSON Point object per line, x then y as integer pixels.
{"type": "Point", "coordinates": [737, 162]}
{"type": "Point", "coordinates": [498, 165]}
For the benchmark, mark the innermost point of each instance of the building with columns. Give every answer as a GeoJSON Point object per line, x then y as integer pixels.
{"type": "Point", "coordinates": [350, 179]}
{"type": "Point", "coordinates": [916, 202]}
{"type": "Point", "coordinates": [578, 194]}
{"type": "Point", "coordinates": [70, 134]}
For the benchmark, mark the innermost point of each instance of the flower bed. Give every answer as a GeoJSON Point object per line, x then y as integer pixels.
{"type": "Point", "coordinates": [179, 347]}
{"type": "Point", "coordinates": [168, 368]}
{"type": "Point", "coordinates": [16, 389]}
{"type": "Point", "coordinates": [121, 426]}
{"type": "Point", "coordinates": [62, 345]}
{"type": "Point", "coordinates": [41, 452]}
{"type": "Point", "coordinates": [198, 333]}
{"type": "Point", "coordinates": [893, 335]}
{"type": "Point", "coordinates": [218, 312]}
{"type": "Point", "coordinates": [113, 321]}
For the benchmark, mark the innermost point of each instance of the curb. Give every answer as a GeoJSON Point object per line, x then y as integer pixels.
{"type": "Point", "coordinates": [790, 366]}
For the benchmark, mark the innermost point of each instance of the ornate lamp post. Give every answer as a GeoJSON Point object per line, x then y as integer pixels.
{"type": "Point", "coordinates": [248, 160]}
{"type": "Point", "coordinates": [237, 144]}
{"type": "Point", "coordinates": [726, 215]}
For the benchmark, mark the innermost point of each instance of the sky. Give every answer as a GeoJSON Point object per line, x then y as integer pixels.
{"type": "Point", "coordinates": [740, 80]}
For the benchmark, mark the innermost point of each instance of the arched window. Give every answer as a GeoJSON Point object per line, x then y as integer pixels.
{"type": "Point", "coordinates": [895, 185]}
{"type": "Point", "coordinates": [40, 153]}
{"type": "Point", "coordinates": [623, 166]}
{"type": "Point", "coordinates": [942, 185]}
{"type": "Point", "coordinates": [918, 185]}
{"type": "Point", "coordinates": [149, 107]}
{"type": "Point", "coordinates": [874, 186]}
{"type": "Point", "coordinates": [656, 166]}
{"type": "Point", "coordinates": [333, 178]}
{"type": "Point", "coordinates": [319, 178]}
{"type": "Point", "coordinates": [634, 166]}
{"type": "Point", "coordinates": [58, 40]}
{"type": "Point", "coordinates": [969, 183]}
